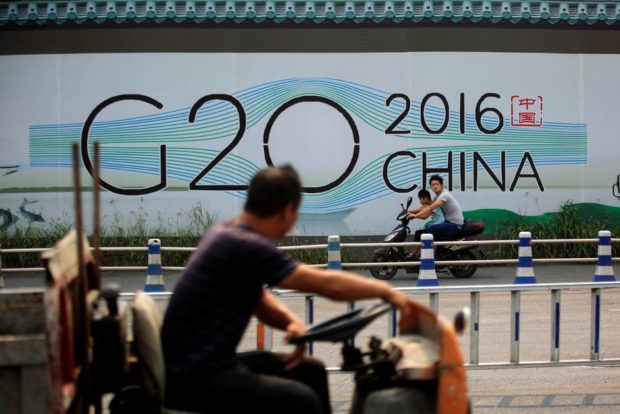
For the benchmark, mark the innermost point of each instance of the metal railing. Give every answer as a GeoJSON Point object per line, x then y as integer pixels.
{"type": "Point", "coordinates": [482, 262]}
{"type": "Point", "coordinates": [555, 291]}
{"type": "Point", "coordinates": [475, 292]}
{"type": "Point", "coordinates": [516, 290]}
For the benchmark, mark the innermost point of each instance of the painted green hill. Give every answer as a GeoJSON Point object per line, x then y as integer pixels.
{"type": "Point", "coordinates": [497, 220]}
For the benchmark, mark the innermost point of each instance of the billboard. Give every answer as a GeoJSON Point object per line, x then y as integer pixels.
{"type": "Point", "coordinates": [511, 133]}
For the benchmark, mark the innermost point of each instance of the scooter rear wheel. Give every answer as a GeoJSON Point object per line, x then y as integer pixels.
{"type": "Point", "coordinates": [383, 273]}
{"type": "Point", "coordinates": [465, 270]}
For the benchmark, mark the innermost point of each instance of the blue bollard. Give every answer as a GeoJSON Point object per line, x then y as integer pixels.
{"type": "Point", "coordinates": [427, 276]}
{"type": "Point", "coordinates": [154, 276]}
{"type": "Point", "coordinates": [525, 268]}
{"type": "Point", "coordinates": [604, 267]}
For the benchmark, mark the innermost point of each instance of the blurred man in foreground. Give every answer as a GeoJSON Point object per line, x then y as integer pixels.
{"type": "Point", "coordinates": [225, 284]}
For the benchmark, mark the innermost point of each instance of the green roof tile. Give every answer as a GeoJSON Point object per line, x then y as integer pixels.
{"type": "Point", "coordinates": [392, 12]}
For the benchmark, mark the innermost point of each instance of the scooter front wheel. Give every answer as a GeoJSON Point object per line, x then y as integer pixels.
{"type": "Point", "coordinates": [465, 270]}
{"type": "Point", "coordinates": [405, 400]}
{"type": "Point", "coordinates": [383, 273]}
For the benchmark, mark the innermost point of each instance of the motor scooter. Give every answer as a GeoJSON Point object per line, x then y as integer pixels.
{"type": "Point", "coordinates": [421, 371]}
{"type": "Point", "coordinates": [469, 231]}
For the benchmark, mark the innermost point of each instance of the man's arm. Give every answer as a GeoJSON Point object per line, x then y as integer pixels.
{"type": "Point", "coordinates": [421, 214]}
{"type": "Point", "coordinates": [336, 285]}
{"type": "Point", "coordinates": [428, 210]}
{"type": "Point", "coordinates": [345, 286]}
{"type": "Point", "coordinates": [273, 312]}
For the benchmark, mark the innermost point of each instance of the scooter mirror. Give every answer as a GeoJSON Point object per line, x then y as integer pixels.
{"type": "Point", "coordinates": [409, 200]}
{"type": "Point", "coordinates": [461, 320]}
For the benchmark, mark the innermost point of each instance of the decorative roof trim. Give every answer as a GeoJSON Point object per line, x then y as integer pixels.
{"type": "Point", "coordinates": [545, 13]}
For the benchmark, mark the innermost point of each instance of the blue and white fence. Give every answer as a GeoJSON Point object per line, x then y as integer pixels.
{"type": "Point", "coordinates": [517, 324]}
{"type": "Point", "coordinates": [602, 260]}
{"type": "Point", "coordinates": [555, 291]}
{"type": "Point", "coordinates": [604, 269]}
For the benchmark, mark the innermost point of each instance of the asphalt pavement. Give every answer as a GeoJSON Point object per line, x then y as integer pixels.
{"type": "Point", "coordinates": [130, 281]}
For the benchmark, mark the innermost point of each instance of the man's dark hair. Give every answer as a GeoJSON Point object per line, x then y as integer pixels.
{"type": "Point", "coordinates": [272, 189]}
{"type": "Point", "coordinates": [436, 177]}
{"type": "Point", "coordinates": [423, 193]}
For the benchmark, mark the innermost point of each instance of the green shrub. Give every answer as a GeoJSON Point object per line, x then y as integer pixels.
{"type": "Point", "coordinates": [114, 234]}
{"type": "Point", "coordinates": [571, 222]}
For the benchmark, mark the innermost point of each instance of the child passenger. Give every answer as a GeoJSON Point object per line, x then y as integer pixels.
{"type": "Point", "coordinates": [436, 217]}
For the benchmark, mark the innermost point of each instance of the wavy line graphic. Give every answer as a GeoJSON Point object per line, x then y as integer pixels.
{"type": "Point", "coordinates": [131, 144]}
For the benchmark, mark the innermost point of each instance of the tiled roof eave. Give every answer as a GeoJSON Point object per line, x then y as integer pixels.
{"type": "Point", "coordinates": [316, 13]}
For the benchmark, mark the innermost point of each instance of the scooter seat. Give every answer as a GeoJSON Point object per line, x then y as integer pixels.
{"type": "Point", "coordinates": [470, 228]}
{"type": "Point", "coordinates": [146, 328]}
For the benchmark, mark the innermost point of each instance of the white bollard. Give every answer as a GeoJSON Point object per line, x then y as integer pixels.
{"type": "Point", "coordinates": [333, 253]}
{"type": "Point", "coordinates": [525, 269]}
{"type": "Point", "coordinates": [604, 267]}
{"type": "Point", "coordinates": [427, 276]}
{"type": "Point", "coordinates": [154, 276]}
{"type": "Point", "coordinates": [334, 263]}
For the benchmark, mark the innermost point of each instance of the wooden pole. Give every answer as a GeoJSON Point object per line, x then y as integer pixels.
{"type": "Point", "coordinates": [82, 331]}
{"type": "Point", "coordinates": [96, 282]}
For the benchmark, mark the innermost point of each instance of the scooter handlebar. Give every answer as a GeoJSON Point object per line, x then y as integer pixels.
{"type": "Point", "coordinates": [402, 216]}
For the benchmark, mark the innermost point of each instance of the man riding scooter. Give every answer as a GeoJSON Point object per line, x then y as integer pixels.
{"type": "Point", "coordinates": [453, 215]}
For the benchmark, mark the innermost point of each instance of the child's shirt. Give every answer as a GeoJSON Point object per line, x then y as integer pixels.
{"type": "Point", "coordinates": [436, 217]}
